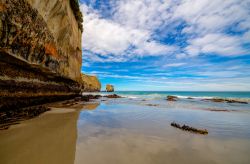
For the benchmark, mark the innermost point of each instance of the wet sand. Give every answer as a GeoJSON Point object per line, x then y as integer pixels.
{"type": "Point", "coordinates": [113, 131]}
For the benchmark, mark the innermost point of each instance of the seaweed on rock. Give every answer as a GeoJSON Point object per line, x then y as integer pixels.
{"type": "Point", "coordinates": [189, 128]}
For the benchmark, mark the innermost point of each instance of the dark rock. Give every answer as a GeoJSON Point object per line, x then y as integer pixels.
{"type": "Point", "coordinates": [112, 96]}
{"type": "Point", "coordinates": [88, 97]}
{"type": "Point", "coordinates": [172, 98]}
{"type": "Point", "coordinates": [12, 117]}
{"type": "Point", "coordinates": [236, 101]}
{"type": "Point", "coordinates": [190, 129]}
{"type": "Point", "coordinates": [225, 100]}
{"type": "Point", "coordinates": [152, 104]}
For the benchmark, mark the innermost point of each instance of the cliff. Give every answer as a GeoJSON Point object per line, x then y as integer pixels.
{"type": "Point", "coordinates": [40, 51]}
{"type": "Point", "coordinates": [109, 88]}
{"type": "Point", "coordinates": [90, 83]}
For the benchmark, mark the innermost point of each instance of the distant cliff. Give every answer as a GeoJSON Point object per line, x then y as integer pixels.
{"type": "Point", "coordinates": [40, 51]}
{"type": "Point", "coordinates": [90, 83]}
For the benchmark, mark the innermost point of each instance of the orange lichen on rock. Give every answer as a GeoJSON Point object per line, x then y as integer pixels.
{"type": "Point", "coordinates": [2, 7]}
{"type": "Point", "coordinates": [51, 50]}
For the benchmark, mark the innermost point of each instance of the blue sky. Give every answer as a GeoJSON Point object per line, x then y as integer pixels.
{"type": "Point", "coordinates": [168, 45]}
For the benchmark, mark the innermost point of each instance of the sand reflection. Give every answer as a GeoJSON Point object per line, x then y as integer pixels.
{"type": "Point", "coordinates": [139, 135]}
{"type": "Point", "coordinates": [48, 139]}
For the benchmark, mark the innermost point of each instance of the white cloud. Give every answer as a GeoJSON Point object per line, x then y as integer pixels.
{"type": "Point", "coordinates": [143, 14]}
{"type": "Point", "coordinates": [131, 30]}
{"type": "Point", "coordinates": [174, 64]}
{"type": "Point", "coordinates": [114, 40]}
{"type": "Point", "coordinates": [212, 16]}
{"type": "Point", "coordinates": [216, 43]}
{"type": "Point", "coordinates": [207, 22]}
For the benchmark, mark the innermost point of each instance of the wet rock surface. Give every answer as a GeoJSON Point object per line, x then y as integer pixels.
{"type": "Point", "coordinates": [12, 117]}
{"type": "Point", "coordinates": [152, 104]}
{"type": "Point", "coordinates": [112, 96]}
{"type": "Point", "coordinates": [189, 128]}
{"type": "Point", "coordinates": [89, 97]}
{"type": "Point", "coordinates": [225, 100]}
{"type": "Point", "coordinates": [172, 98]}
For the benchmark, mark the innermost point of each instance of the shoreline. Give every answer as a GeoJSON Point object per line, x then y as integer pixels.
{"type": "Point", "coordinates": [84, 130]}
{"type": "Point", "coordinates": [10, 116]}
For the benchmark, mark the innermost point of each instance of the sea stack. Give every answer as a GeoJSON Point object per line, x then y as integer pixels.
{"type": "Point", "coordinates": [109, 88]}
{"type": "Point", "coordinates": [40, 51]}
{"type": "Point", "coordinates": [90, 83]}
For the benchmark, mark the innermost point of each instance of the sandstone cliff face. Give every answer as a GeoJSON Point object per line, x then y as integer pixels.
{"type": "Point", "coordinates": [43, 33]}
{"type": "Point", "coordinates": [90, 83]}
{"type": "Point", "coordinates": [109, 88]}
{"type": "Point", "coordinates": [40, 50]}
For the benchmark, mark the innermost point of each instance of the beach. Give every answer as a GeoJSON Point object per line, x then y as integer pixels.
{"type": "Point", "coordinates": [132, 129]}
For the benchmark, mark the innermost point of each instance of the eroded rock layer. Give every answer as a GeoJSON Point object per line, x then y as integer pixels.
{"type": "Point", "coordinates": [40, 52]}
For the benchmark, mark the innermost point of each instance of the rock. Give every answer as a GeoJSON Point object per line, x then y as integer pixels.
{"type": "Point", "coordinates": [88, 97]}
{"type": "Point", "coordinates": [40, 52]}
{"type": "Point", "coordinates": [11, 117]}
{"type": "Point", "coordinates": [190, 129]}
{"type": "Point", "coordinates": [112, 96]}
{"type": "Point", "coordinates": [225, 100]}
{"type": "Point", "coordinates": [172, 98]}
{"type": "Point", "coordinates": [90, 83]}
{"type": "Point", "coordinates": [152, 104]}
{"type": "Point", "coordinates": [190, 98]}
{"type": "Point", "coordinates": [236, 101]}
{"type": "Point", "coordinates": [109, 88]}
{"type": "Point", "coordinates": [215, 100]}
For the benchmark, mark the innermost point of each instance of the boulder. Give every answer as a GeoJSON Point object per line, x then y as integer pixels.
{"type": "Point", "coordinates": [172, 98]}
{"type": "Point", "coordinates": [222, 100]}
{"type": "Point", "coordinates": [112, 96]}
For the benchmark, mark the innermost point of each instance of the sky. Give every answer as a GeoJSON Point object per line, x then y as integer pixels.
{"type": "Point", "coordinates": [168, 45]}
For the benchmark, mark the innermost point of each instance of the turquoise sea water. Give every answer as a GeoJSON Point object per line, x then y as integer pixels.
{"type": "Point", "coordinates": [201, 94]}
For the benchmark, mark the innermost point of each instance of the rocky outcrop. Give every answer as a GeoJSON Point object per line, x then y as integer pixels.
{"type": "Point", "coordinates": [222, 100]}
{"type": "Point", "coordinates": [171, 98]}
{"type": "Point", "coordinates": [109, 88]}
{"type": "Point", "coordinates": [90, 83]}
{"type": "Point", "coordinates": [114, 96]}
{"type": "Point", "coordinates": [40, 51]}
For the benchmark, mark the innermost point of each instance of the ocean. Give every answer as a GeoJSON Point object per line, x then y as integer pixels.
{"type": "Point", "coordinates": [185, 94]}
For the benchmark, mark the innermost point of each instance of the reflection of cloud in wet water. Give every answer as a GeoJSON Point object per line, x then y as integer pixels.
{"type": "Point", "coordinates": [141, 116]}
{"type": "Point", "coordinates": [124, 146]}
{"type": "Point", "coordinates": [99, 118]}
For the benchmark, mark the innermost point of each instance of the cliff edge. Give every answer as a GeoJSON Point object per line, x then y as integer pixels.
{"type": "Point", "coordinates": [40, 51]}
{"type": "Point", "coordinates": [90, 83]}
